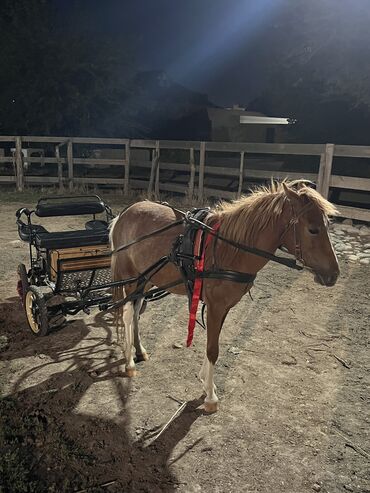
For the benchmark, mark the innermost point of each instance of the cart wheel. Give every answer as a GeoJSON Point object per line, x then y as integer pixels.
{"type": "Point", "coordinates": [36, 311]}
{"type": "Point", "coordinates": [23, 283]}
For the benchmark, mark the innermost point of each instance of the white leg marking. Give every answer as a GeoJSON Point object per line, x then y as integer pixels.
{"type": "Point", "coordinates": [139, 348]}
{"type": "Point", "coordinates": [209, 386]}
{"type": "Point", "coordinates": [202, 372]}
{"type": "Point", "coordinates": [128, 315]}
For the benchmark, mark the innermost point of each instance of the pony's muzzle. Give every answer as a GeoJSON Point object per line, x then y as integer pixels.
{"type": "Point", "coordinates": [326, 279]}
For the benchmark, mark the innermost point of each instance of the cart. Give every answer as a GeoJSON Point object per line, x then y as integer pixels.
{"type": "Point", "coordinates": [69, 271]}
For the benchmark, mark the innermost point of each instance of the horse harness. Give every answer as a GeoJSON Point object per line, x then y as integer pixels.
{"type": "Point", "coordinates": [188, 254]}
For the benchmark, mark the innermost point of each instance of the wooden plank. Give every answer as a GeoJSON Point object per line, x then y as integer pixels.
{"type": "Point", "coordinates": [153, 170]}
{"type": "Point", "coordinates": [164, 165]}
{"type": "Point", "coordinates": [279, 175]}
{"type": "Point", "coordinates": [98, 141]}
{"type": "Point", "coordinates": [262, 174]}
{"type": "Point", "coordinates": [46, 160]}
{"type": "Point", "coordinates": [98, 162]}
{"type": "Point", "coordinates": [60, 167]}
{"type": "Point", "coordinates": [7, 138]}
{"type": "Point", "coordinates": [354, 213]}
{"type": "Point", "coordinates": [19, 164]}
{"type": "Point", "coordinates": [126, 163]}
{"type": "Point", "coordinates": [156, 185]}
{"type": "Point", "coordinates": [41, 179]}
{"type": "Point", "coordinates": [166, 187]}
{"type": "Point", "coordinates": [320, 176]}
{"type": "Point", "coordinates": [353, 183]}
{"type": "Point", "coordinates": [8, 179]}
{"type": "Point", "coordinates": [70, 164]}
{"type": "Point", "coordinates": [146, 144]}
{"type": "Point", "coordinates": [38, 139]}
{"type": "Point", "coordinates": [215, 192]}
{"type": "Point", "coordinates": [6, 159]}
{"type": "Point", "coordinates": [262, 148]}
{"type": "Point", "coordinates": [166, 144]}
{"type": "Point", "coordinates": [352, 151]}
{"type": "Point", "coordinates": [73, 253]}
{"type": "Point", "coordinates": [326, 163]}
{"type": "Point", "coordinates": [202, 159]}
{"type": "Point", "coordinates": [179, 144]}
{"type": "Point", "coordinates": [192, 174]}
{"type": "Point", "coordinates": [99, 181]}
{"type": "Point", "coordinates": [241, 174]}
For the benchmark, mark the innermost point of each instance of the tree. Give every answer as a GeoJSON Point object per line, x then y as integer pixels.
{"type": "Point", "coordinates": [55, 81]}
{"type": "Point", "coordinates": [320, 75]}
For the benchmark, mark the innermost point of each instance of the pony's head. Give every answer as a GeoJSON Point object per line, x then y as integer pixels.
{"type": "Point", "coordinates": [306, 235]}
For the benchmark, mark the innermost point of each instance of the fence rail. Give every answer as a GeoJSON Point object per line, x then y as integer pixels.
{"type": "Point", "coordinates": [197, 169]}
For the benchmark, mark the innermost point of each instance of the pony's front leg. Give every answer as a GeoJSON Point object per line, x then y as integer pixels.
{"type": "Point", "coordinates": [215, 319]}
{"type": "Point", "coordinates": [141, 354]}
{"type": "Point", "coordinates": [128, 316]}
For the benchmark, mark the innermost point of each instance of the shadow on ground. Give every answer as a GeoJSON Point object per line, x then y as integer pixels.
{"type": "Point", "coordinates": [46, 445]}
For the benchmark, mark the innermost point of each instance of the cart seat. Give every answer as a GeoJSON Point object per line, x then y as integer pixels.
{"type": "Point", "coordinates": [69, 239]}
{"type": "Point", "coordinates": [25, 231]}
{"type": "Point", "coordinates": [96, 224]}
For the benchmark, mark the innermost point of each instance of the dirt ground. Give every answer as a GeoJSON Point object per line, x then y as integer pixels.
{"type": "Point", "coordinates": [293, 383]}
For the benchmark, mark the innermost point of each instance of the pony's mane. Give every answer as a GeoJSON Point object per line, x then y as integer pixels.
{"type": "Point", "coordinates": [262, 208]}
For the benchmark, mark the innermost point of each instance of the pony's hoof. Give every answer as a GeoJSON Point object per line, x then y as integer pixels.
{"type": "Point", "coordinates": [141, 357]}
{"type": "Point", "coordinates": [130, 372]}
{"type": "Point", "coordinates": [210, 407]}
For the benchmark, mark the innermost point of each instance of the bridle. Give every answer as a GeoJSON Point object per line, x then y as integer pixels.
{"type": "Point", "coordinates": [292, 224]}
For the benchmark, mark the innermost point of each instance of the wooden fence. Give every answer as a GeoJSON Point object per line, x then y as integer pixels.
{"type": "Point", "coordinates": [195, 170]}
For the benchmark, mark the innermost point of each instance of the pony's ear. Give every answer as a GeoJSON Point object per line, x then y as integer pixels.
{"type": "Point", "coordinates": [291, 194]}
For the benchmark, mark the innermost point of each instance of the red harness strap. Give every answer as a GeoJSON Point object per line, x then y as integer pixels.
{"type": "Point", "coordinates": [199, 267]}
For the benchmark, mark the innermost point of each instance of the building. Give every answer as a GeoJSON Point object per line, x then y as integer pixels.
{"type": "Point", "coordinates": [237, 125]}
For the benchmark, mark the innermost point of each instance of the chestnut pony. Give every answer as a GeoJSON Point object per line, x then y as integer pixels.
{"type": "Point", "coordinates": [290, 215]}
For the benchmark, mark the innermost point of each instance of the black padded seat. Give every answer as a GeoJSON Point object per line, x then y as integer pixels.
{"type": "Point", "coordinates": [69, 206]}
{"type": "Point", "coordinates": [69, 239]}
{"type": "Point", "coordinates": [96, 224]}
{"type": "Point", "coordinates": [25, 231]}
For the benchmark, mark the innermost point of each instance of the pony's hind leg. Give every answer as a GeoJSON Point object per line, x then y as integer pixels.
{"type": "Point", "coordinates": [141, 354]}
{"type": "Point", "coordinates": [128, 316]}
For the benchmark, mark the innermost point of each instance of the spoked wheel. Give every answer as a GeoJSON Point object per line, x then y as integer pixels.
{"type": "Point", "coordinates": [23, 283]}
{"type": "Point", "coordinates": [36, 311]}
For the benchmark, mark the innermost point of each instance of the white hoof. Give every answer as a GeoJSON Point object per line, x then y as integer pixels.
{"type": "Point", "coordinates": [210, 407]}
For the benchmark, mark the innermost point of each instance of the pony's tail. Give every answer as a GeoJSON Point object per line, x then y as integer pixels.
{"type": "Point", "coordinates": [118, 292]}
{"type": "Point", "coordinates": [111, 226]}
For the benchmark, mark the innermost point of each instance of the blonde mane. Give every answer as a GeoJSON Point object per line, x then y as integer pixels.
{"type": "Point", "coordinates": [243, 219]}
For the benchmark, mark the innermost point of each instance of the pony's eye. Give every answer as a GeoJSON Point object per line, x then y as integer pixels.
{"type": "Point", "coordinates": [313, 231]}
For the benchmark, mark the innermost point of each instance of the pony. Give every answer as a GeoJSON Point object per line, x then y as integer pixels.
{"type": "Point", "coordinates": [287, 215]}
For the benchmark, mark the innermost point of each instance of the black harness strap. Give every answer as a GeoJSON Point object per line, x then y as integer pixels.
{"type": "Point", "coordinates": [228, 275]}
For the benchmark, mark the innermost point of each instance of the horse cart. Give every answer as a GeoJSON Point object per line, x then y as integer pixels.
{"type": "Point", "coordinates": [69, 270]}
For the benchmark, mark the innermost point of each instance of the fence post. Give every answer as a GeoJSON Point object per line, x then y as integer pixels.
{"type": "Point", "coordinates": [202, 158]}
{"type": "Point", "coordinates": [70, 164]}
{"type": "Point", "coordinates": [326, 163]}
{"type": "Point", "coordinates": [154, 172]}
{"type": "Point", "coordinates": [192, 174]}
{"type": "Point", "coordinates": [60, 167]}
{"type": "Point", "coordinates": [241, 173]}
{"type": "Point", "coordinates": [127, 168]}
{"type": "Point", "coordinates": [19, 164]}
{"type": "Point", "coordinates": [156, 186]}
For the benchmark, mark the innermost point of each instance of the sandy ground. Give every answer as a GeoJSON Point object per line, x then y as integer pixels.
{"type": "Point", "coordinates": [293, 383]}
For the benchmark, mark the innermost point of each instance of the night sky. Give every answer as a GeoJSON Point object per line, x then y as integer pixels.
{"type": "Point", "coordinates": [217, 47]}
